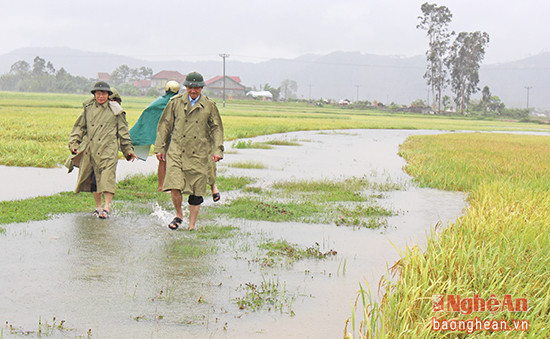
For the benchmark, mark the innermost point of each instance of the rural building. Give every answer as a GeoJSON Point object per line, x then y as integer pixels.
{"type": "Point", "coordinates": [102, 76]}
{"type": "Point", "coordinates": [233, 87]}
{"type": "Point", "coordinates": [159, 80]}
{"type": "Point", "coordinates": [264, 95]}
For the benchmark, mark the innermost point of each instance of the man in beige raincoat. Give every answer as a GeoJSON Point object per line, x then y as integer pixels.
{"type": "Point", "coordinates": [95, 139]}
{"type": "Point", "coordinates": [190, 124]}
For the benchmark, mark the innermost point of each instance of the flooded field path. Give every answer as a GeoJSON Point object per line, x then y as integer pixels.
{"type": "Point", "coordinates": [119, 278]}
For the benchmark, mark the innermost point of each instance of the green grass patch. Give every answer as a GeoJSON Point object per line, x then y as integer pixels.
{"type": "Point", "coordinates": [241, 144]}
{"type": "Point", "coordinates": [255, 209]}
{"type": "Point", "coordinates": [292, 252]}
{"type": "Point", "coordinates": [350, 189]}
{"type": "Point", "coordinates": [42, 208]}
{"type": "Point", "coordinates": [182, 247]}
{"type": "Point", "coordinates": [247, 164]}
{"type": "Point", "coordinates": [134, 194]}
{"type": "Point", "coordinates": [268, 295]}
{"type": "Point", "coordinates": [282, 143]}
{"type": "Point", "coordinates": [210, 232]}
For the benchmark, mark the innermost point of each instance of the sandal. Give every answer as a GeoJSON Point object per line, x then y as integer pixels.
{"type": "Point", "coordinates": [96, 213]}
{"type": "Point", "coordinates": [175, 223]}
{"type": "Point", "coordinates": [216, 196]}
{"type": "Point", "coordinates": [104, 214]}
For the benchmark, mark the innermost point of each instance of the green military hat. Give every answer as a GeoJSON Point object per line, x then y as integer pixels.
{"type": "Point", "coordinates": [102, 86]}
{"type": "Point", "coordinates": [194, 79]}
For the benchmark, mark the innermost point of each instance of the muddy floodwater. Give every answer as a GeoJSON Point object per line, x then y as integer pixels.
{"type": "Point", "coordinates": [120, 278]}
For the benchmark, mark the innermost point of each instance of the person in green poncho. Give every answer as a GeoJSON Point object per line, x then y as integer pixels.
{"type": "Point", "coordinates": [144, 134]}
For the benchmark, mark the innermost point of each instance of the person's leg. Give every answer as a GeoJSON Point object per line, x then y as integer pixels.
{"type": "Point", "coordinates": [161, 172]}
{"type": "Point", "coordinates": [193, 215]}
{"type": "Point", "coordinates": [104, 213]}
{"type": "Point", "coordinates": [108, 199]}
{"type": "Point", "coordinates": [194, 207]}
{"type": "Point", "coordinates": [176, 200]}
{"type": "Point", "coordinates": [97, 198]}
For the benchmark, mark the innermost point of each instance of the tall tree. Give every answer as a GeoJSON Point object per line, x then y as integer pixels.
{"type": "Point", "coordinates": [121, 75]}
{"type": "Point", "coordinates": [21, 67]}
{"type": "Point", "coordinates": [435, 21]}
{"type": "Point", "coordinates": [289, 88]}
{"type": "Point", "coordinates": [39, 65]}
{"type": "Point", "coordinates": [466, 54]}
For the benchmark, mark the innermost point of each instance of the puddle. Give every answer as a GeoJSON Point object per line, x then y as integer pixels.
{"type": "Point", "coordinates": [107, 275]}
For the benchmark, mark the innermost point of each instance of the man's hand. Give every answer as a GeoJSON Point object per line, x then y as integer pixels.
{"type": "Point", "coordinates": [131, 157]}
{"type": "Point", "coordinates": [161, 156]}
{"type": "Point", "coordinates": [216, 158]}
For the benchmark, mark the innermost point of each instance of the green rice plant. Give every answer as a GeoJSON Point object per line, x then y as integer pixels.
{"type": "Point", "coordinates": [230, 183]}
{"type": "Point", "coordinates": [291, 252]}
{"type": "Point", "coordinates": [189, 248]}
{"type": "Point", "coordinates": [363, 216]}
{"type": "Point", "coordinates": [247, 164]}
{"type": "Point", "coordinates": [268, 295]}
{"type": "Point", "coordinates": [251, 189]}
{"type": "Point", "coordinates": [45, 329]}
{"type": "Point", "coordinates": [499, 247]}
{"type": "Point", "coordinates": [282, 143]}
{"type": "Point", "coordinates": [209, 232]}
{"type": "Point", "coordinates": [255, 209]}
{"type": "Point", "coordinates": [342, 265]}
{"type": "Point", "coordinates": [249, 144]}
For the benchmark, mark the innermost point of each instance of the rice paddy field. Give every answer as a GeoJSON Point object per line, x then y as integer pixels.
{"type": "Point", "coordinates": [34, 127]}
{"type": "Point", "coordinates": [481, 270]}
{"type": "Point", "coordinates": [498, 251]}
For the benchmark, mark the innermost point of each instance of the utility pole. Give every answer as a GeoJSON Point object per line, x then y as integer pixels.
{"type": "Point", "coordinates": [528, 88]}
{"type": "Point", "coordinates": [310, 92]}
{"type": "Point", "coordinates": [224, 55]}
{"type": "Point", "coordinates": [357, 96]}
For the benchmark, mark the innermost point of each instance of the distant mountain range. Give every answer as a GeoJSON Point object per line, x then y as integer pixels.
{"type": "Point", "coordinates": [337, 75]}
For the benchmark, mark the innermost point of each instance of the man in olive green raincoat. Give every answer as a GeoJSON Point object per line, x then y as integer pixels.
{"type": "Point", "coordinates": [96, 136]}
{"type": "Point", "coordinates": [193, 122]}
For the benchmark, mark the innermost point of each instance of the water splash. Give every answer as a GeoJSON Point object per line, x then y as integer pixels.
{"type": "Point", "coordinates": [163, 215]}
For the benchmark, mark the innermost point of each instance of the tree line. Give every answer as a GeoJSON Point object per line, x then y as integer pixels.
{"type": "Point", "coordinates": [43, 77]}
{"type": "Point", "coordinates": [452, 62]}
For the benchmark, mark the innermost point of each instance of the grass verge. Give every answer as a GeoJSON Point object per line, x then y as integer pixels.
{"type": "Point", "coordinates": [130, 192]}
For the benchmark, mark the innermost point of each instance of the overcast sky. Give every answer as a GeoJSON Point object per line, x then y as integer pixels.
{"type": "Point", "coordinates": [259, 30]}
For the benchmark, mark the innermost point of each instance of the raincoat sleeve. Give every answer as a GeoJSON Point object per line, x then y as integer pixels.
{"type": "Point", "coordinates": [216, 130]}
{"type": "Point", "coordinates": [164, 128]}
{"type": "Point", "coordinates": [123, 135]}
{"type": "Point", "coordinates": [78, 132]}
